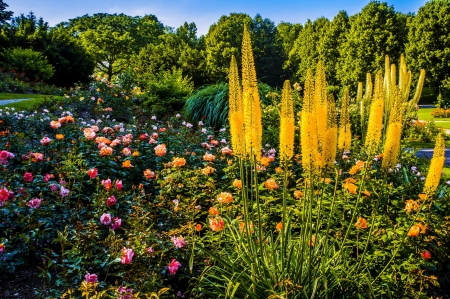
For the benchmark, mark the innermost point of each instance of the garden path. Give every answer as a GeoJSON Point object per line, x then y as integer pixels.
{"type": "Point", "coordinates": [6, 102]}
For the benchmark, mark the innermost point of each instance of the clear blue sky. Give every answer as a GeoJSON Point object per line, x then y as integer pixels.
{"type": "Point", "coordinates": [203, 13]}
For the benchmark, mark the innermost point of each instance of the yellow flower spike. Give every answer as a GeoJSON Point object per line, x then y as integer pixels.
{"type": "Point", "coordinates": [436, 166]}
{"type": "Point", "coordinates": [345, 134]}
{"type": "Point", "coordinates": [375, 124]}
{"type": "Point", "coordinates": [236, 110]}
{"type": "Point", "coordinates": [287, 123]}
{"type": "Point", "coordinates": [308, 129]}
{"type": "Point", "coordinates": [321, 104]}
{"type": "Point", "coordinates": [394, 132]}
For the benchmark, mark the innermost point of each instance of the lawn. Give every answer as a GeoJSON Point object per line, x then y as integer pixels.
{"type": "Point", "coordinates": [425, 114]}
{"type": "Point", "coordinates": [35, 100]}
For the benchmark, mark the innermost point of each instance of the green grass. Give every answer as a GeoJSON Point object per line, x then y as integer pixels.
{"type": "Point", "coordinates": [35, 100]}
{"type": "Point", "coordinates": [425, 114]}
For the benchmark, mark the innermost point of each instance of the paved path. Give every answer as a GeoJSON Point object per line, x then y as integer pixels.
{"type": "Point", "coordinates": [6, 102]}
{"type": "Point", "coordinates": [428, 153]}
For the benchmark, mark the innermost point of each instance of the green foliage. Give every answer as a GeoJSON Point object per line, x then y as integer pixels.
{"type": "Point", "coordinates": [181, 49]}
{"type": "Point", "coordinates": [166, 92]}
{"type": "Point", "coordinates": [374, 32]}
{"type": "Point", "coordinates": [225, 38]}
{"type": "Point", "coordinates": [33, 64]}
{"type": "Point", "coordinates": [112, 39]}
{"type": "Point", "coordinates": [209, 105]}
{"type": "Point", "coordinates": [428, 43]}
{"type": "Point", "coordinates": [304, 53]}
{"type": "Point", "coordinates": [4, 14]}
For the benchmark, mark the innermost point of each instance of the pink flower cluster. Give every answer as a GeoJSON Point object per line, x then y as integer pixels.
{"type": "Point", "coordinates": [173, 266]}
{"type": "Point", "coordinates": [115, 222]}
{"type": "Point", "coordinates": [35, 203]}
{"type": "Point", "coordinates": [178, 242]}
{"type": "Point", "coordinates": [124, 293]}
{"type": "Point", "coordinates": [4, 156]}
{"type": "Point", "coordinates": [126, 255]}
{"type": "Point", "coordinates": [91, 278]}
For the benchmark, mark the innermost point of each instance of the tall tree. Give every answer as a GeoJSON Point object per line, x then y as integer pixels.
{"type": "Point", "coordinates": [374, 32]}
{"type": "Point", "coordinates": [328, 47]}
{"type": "Point", "coordinates": [224, 40]}
{"type": "Point", "coordinates": [267, 50]}
{"type": "Point", "coordinates": [429, 43]}
{"type": "Point", "coordinates": [304, 54]}
{"type": "Point", "coordinates": [4, 14]}
{"type": "Point", "coordinates": [113, 39]}
{"type": "Point", "coordinates": [287, 33]}
{"type": "Point", "coordinates": [180, 49]}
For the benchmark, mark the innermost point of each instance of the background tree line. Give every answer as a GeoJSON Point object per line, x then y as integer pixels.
{"type": "Point", "coordinates": [143, 48]}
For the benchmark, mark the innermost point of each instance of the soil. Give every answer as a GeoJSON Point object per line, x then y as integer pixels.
{"type": "Point", "coordinates": [20, 284]}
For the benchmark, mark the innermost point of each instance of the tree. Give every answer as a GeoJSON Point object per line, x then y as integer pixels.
{"type": "Point", "coordinates": [304, 54]}
{"type": "Point", "coordinates": [267, 50]}
{"type": "Point", "coordinates": [375, 32]}
{"type": "Point", "coordinates": [223, 40]}
{"type": "Point", "coordinates": [328, 47]}
{"type": "Point", "coordinates": [4, 15]}
{"type": "Point", "coordinates": [287, 33]}
{"type": "Point", "coordinates": [429, 43]}
{"type": "Point", "coordinates": [112, 39]}
{"type": "Point", "coordinates": [180, 49]}
{"type": "Point", "coordinates": [225, 37]}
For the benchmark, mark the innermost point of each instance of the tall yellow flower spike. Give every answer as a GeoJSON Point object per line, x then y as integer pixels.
{"type": "Point", "coordinates": [252, 107]}
{"type": "Point", "coordinates": [436, 166]}
{"type": "Point", "coordinates": [287, 123]}
{"type": "Point", "coordinates": [311, 160]}
{"type": "Point", "coordinates": [329, 147]}
{"type": "Point", "coordinates": [394, 132]}
{"type": "Point", "coordinates": [345, 134]}
{"type": "Point", "coordinates": [320, 102]}
{"type": "Point", "coordinates": [236, 110]}
{"type": "Point", "coordinates": [375, 124]}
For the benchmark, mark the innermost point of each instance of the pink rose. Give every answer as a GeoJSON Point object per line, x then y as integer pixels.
{"type": "Point", "coordinates": [28, 177]}
{"type": "Point", "coordinates": [4, 194]}
{"type": "Point", "coordinates": [105, 219]}
{"type": "Point", "coordinates": [127, 255]}
{"type": "Point", "coordinates": [173, 266]}
{"type": "Point", "coordinates": [111, 201]}
{"type": "Point", "coordinates": [35, 203]}
{"type": "Point", "coordinates": [45, 141]}
{"type": "Point", "coordinates": [116, 223]}
{"type": "Point", "coordinates": [91, 278]}
{"type": "Point", "coordinates": [119, 185]}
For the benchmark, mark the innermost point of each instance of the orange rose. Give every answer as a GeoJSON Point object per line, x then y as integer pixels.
{"type": "Point", "coordinates": [361, 223]}
{"type": "Point", "coordinates": [178, 162]}
{"type": "Point", "coordinates": [160, 150]}
{"type": "Point", "coordinates": [270, 184]}
{"type": "Point", "coordinates": [225, 198]}
{"type": "Point", "coordinates": [237, 183]}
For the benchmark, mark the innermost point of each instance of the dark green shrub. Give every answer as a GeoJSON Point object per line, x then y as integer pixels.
{"type": "Point", "coordinates": [32, 63]}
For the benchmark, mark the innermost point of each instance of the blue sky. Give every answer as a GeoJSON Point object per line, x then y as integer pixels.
{"type": "Point", "coordinates": [203, 13]}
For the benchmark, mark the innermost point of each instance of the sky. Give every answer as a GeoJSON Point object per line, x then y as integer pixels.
{"type": "Point", "coordinates": [203, 13]}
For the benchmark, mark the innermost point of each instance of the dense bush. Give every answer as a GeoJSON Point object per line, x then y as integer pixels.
{"type": "Point", "coordinates": [31, 63]}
